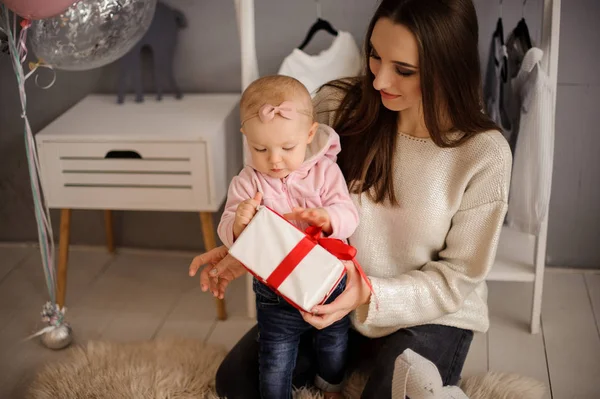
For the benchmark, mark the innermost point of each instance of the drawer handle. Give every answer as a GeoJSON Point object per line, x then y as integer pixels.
{"type": "Point", "coordinates": [123, 154]}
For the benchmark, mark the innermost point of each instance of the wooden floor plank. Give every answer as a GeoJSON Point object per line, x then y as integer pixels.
{"type": "Point", "coordinates": [512, 348]}
{"type": "Point", "coordinates": [477, 359]}
{"type": "Point", "coordinates": [592, 282]}
{"type": "Point", "coordinates": [11, 257]}
{"type": "Point", "coordinates": [571, 334]}
{"type": "Point", "coordinates": [138, 296]}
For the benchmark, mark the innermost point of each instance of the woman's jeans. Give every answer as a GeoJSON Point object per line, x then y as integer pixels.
{"type": "Point", "coordinates": [446, 347]}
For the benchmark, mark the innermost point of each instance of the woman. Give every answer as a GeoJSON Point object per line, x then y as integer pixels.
{"type": "Point", "coordinates": [430, 174]}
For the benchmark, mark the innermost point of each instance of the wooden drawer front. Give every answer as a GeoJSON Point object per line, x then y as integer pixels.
{"type": "Point", "coordinates": [151, 176]}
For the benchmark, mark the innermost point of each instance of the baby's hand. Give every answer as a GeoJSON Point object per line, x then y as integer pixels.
{"type": "Point", "coordinates": [313, 216]}
{"type": "Point", "coordinates": [244, 214]}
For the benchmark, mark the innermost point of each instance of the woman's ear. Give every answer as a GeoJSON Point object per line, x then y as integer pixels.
{"type": "Point", "coordinates": [312, 131]}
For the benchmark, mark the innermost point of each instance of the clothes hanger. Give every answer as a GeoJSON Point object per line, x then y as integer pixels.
{"type": "Point", "coordinates": [499, 33]}
{"type": "Point", "coordinates": [517, 45]}
{"type": "Point", "coordinates": [522, 31]}
{"type": "Point", "coordinates": [320, 24]}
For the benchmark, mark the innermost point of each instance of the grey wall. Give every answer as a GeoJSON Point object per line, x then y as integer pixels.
{"type": "Point", "coordinates": [574, 221]}
{"type": "Point", "coordinates": [208, 61]}
{"type": "Point", "coordinates": [208, 52]}
{"type": "Point", "coordinates": [17, 220]}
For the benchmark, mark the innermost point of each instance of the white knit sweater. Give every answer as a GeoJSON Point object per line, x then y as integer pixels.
{"type": "Point", "coordinates": [429, 257]}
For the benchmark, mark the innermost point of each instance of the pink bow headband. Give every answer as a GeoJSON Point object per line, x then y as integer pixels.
{"type": "Point", "coordinates": [286, 109]}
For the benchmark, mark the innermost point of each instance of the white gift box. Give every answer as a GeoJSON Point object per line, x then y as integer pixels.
{"type": "Point", "coordinates": [288, 260]}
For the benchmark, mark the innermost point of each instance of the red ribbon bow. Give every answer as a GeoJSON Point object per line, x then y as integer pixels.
{"type": "Point", "coordinates": [335, 246]}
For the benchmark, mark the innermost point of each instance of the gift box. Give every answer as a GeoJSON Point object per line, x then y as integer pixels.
{"type": "Point", "coordinates": [301, 266]}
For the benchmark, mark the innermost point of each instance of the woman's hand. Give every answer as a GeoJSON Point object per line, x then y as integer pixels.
{"type": "Point", "coordinates": [221, 269]}
{"type": "Point", "coordinates": [357, 292]}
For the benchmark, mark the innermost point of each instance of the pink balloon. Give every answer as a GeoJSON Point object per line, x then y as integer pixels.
{"type": "Point", "coordinates": [38, 9]}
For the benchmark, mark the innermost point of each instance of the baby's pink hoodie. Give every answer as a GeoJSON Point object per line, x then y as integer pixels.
{"type": "Point", "coordinates": [318, 183]}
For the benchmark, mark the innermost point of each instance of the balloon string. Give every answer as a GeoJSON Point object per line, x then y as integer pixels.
{"type": "Point", "coordinates": [33, 67]}
{"type": "Point", "coordinates": [18, 53]}
{"type": "Point", "coordinates": [23, 52]}
{"type": "Point", "coordinates": [25, 24]}
{"type": "Point", "coordinates": [54, 316]}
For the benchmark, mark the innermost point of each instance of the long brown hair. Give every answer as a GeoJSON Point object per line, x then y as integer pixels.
{"type": "Point", "coordinates": [447, 37]}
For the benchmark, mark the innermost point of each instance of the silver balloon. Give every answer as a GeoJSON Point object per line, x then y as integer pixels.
{"type": "Point", "coordinates": [59, 337]}
{"type": "Point", "coordinates": [91, 33]}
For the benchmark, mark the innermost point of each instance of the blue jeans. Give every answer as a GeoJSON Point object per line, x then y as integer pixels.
{"type": "Point", "coordinates": [280, 327]}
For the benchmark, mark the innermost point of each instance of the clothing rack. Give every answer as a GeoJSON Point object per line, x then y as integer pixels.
{"type": "Point", "coordinates": [521, 257]}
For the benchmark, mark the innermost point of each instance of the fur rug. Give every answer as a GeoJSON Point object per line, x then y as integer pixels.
{"type": "Point", "coordinates": [185, 369]}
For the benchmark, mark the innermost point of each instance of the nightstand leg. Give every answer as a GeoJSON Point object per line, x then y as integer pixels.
{"type": "Point", "coordinates": [63, 256]}
{"type": "Point", "coordinates": [210, 242]}
{"type": "Point", "coordinates": [108, 227]}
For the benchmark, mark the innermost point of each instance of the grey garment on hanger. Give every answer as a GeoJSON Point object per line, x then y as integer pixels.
{"type": "Point", "coordinates": [501, 102]}
{"type": "Point", "coordinates": [512, 99]}
{"type": "Point", "coordinates": [493, 87]}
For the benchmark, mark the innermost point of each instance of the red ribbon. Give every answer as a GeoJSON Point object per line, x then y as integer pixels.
{"type": "Point", "coordinates": [335, 246]}
{"type": "Point", "coordinates": [289, 263]}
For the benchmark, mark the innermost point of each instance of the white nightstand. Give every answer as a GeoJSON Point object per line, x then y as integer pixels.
{"type": "Point", "coordinates": [172, 155]}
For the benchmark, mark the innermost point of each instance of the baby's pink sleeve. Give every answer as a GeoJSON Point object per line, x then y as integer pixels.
{"type": "Point", "coordinates": [242, 187]}
{"type": "Point", "coordinates": [338, 204]}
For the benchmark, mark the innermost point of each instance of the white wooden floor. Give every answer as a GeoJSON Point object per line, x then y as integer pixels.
{"type": "Point", "coordinates": [140, 295]}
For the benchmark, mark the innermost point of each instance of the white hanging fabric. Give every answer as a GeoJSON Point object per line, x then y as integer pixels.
{"type": "Point", "coordinates": [342, 59]}
{"type": "Point", "coordinates": [533, 157]}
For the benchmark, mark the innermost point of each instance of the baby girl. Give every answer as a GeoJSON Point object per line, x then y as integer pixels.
{"type": "Point", "coordinates": [291, 168]}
